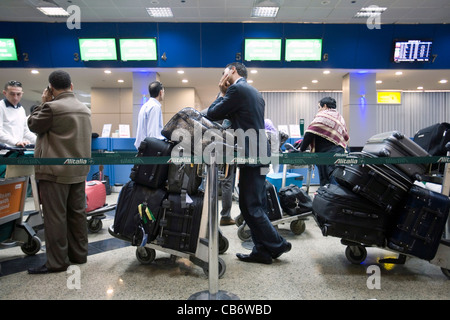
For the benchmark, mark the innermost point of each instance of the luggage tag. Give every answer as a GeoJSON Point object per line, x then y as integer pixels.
{"type": "Point", "coordinates": [147, 218]}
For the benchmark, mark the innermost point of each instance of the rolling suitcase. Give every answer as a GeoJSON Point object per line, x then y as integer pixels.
{"type": "Point", "coordinates": [341, 213]}
{"type": "Point", "coordinates": [273, 207]}
{"type": "Point", "coordinates": [395, 144]}
{"type": "Point", "coordinates": [384, 185]}
{"type": "Point", "coordinates": [95, 195]}
{"type": "Point", "coordinates": [179, 227]}
{"type": "Point", "coordinates": [152, 175]}
{"type": "Point", "coordinates": [420, 224]}
{"type": "Point", "coordinates": [183, 177]}
{"type": "Point", "coordinates": [132, 199]}
{"type": "Point", "coordinates": [434, 138]}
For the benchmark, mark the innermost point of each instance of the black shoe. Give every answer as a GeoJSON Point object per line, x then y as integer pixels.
{"type": "Point", "coordinates": [286, 248]}
{"type": "Point", "coordinates": [253, 258]}
{"type": "Point", "coordinates": [43, 270]}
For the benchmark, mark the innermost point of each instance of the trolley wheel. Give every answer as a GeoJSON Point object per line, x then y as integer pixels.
{"type": "Point", "coordinates": [145, 255]}
{"type": "Point", "coordinates": [223, 244]}
{"type": "Point", "coordinates": [446, 272]}
{"type": "Point", "coordinates": [222, 268]}
{"type": "Point", "coordinates": [239, 220]}
{"type": "Point", "coordinates": [32, 246]}
{"type": "Point", "coordinates": [356, 254]}
{"type": "Point", "coordinates": [95, 225]}
{"type": "Point", "coordinates": [298, 227]}
{"type": "Point", "coordinates": [244, 234]}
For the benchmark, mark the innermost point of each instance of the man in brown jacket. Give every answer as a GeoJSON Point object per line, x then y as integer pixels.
{"type": "Point", "coordinates": [63, 128]}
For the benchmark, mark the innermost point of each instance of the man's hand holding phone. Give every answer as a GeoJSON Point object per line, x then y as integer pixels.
{"type": "Point", "coordinates": [225, 82]}
{"type": "Point", "coordinates": [47, 95]}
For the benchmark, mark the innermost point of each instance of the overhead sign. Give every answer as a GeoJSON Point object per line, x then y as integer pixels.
{"type": "Point", "coordinates": [303, 50]}
{"type": "Point", "coordinates": [262, 49]}
{"type": "Point", "coordinates": [98, 49]}
{"type": "Point", "coordinates": [138, 49]}
{"type": "Point", "coordinates": [389, 97]}
{"type": "Point", "coordinates": [8, 50]}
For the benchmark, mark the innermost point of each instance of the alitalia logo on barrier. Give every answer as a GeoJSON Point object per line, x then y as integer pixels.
{"type": "Point", "coordinates": [443, 160]}
{"type": "Point", "coordinates": [346, 161]}
{"type": "Point", "coordinates": [75, 161]}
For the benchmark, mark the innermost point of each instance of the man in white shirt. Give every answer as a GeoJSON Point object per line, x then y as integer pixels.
{"type": "Point", "coordinates": [150, 121]}
{"type": "Point", "coordinates": [14, 130]}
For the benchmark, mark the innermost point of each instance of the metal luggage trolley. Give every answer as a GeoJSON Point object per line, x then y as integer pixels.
{"type": "Point", "coordinates": [146, 254]}
{"type": "Point", "coordinates": [13, 231]}
{"type": "Point", "coordinates": [357, 252]}
{"type": "Point", "coordinates": [296, 223]}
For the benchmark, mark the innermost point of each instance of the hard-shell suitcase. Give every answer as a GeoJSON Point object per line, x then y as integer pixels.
{"type": "Point", "coordinates": [190, 128]}
{"type": "Point", "coordinates": [95, 195]}
{"type": "Point", "coordinates": [384, 185]}
{"type": "Point", "coordinates": [152, 175]}
{"type": "Point", "coordinates": [420, 223]}
{"type": "Point", "coordinates": [395, 144]}
{"type": "Point", "coordinates": [294, 200]}
{"type": "Point", "coordinates": [128, 221]}
{"type": "Point", "coordinates": [179, 227]}
{"type": "Point", "coordinates": [273, 207]}
{"type": "Point", "coordinates": [341, 213]}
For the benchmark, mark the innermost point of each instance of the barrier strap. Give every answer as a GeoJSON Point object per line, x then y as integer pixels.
{"type": "Point", "coordinates": [119, 158]}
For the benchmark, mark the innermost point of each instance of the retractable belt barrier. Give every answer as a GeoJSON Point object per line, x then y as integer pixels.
{"type": "Point", "coordinates": [118, 158]}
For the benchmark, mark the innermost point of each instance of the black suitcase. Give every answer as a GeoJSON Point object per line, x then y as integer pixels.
{"type": "Point", "coordinates": [273, 207]}
{"type": "Point", "coordinates": [184, 177]}
{"type": "Point", "coordinates": [395, 144]}
{"type": "Point", "coordinates": [341, 213]}
{"type": "Point", "coordinates": [294, 200]}
{"type": "Point", "coordinates": [384, 185]}
{"type": "Point", "coordinates": [434, 138]}
{"type": "Point", "coordinates": [127, 220]}
{"type": "Point", "coordinates": [179, 227]}
{"type": "Point", "coordinates": [152, 175]}
{"type": "Point", "coordinates": [420, 223]}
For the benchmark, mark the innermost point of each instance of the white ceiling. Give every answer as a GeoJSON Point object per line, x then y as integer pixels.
{"type": "Point", "coordinates": [205, 80]}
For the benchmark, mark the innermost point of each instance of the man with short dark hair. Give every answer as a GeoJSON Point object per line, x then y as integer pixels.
{"type": "Point", "coordinates": [150, 121]}
{"type": "Point", "coordinates": [63, 126]}
{"type": "Point", "coordinates": [243, 105]}
{"type": "Point", "coordinates": [14, 130]}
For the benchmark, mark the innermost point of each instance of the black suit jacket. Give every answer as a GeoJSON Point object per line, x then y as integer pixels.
{"type": "Point", "coordinates": [244, 106]}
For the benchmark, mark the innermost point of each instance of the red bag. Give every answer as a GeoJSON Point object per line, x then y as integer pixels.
{"type": "Point", "coordinates": [95, 195]}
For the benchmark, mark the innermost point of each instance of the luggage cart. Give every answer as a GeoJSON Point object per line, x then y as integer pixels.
{"type": "Point", "coordinates": [296, 223]}
{"type": "Point", "coordinates": [146, 254]}
{"type": "Point", "coordinates": [13, 231]}
{"type": "Point", "coordinates": [356, 253]}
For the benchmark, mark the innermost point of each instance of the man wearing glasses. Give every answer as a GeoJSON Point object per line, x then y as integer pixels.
{"type": "Point", "coordinates": [14, 130]}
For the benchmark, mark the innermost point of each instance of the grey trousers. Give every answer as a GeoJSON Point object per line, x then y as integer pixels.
{"type": "Point", "coordinates": [227, 186]}
{"type": "Point", "coordinates": [65, 224]}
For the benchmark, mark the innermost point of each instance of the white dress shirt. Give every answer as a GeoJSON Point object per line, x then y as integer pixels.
{"type": "Point", "coordinates": [150, 121]}
{"type": "Point", "coordinates": [13, 124]}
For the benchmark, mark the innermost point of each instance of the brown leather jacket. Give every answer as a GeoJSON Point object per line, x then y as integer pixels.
{"type": "Point", "coordinates": [64, 130]}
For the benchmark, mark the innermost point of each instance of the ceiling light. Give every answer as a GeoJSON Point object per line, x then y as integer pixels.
{"type": "Point", "coordinates": [35, 71]}
{"type": "Point", "coordinates": [371, 11]}
{"type": "Point", "coordinates": [304, 88]}
{"type": "Point", "coordinates": [326, 72]}
{"type": "Point", "coordinates": [160, 12]}
{"type": "Point", "coordinates": [250, 81]}
{"type": "Point", "coordinates": [443, 81]}
{"type": "Point", "coordinates": [184, 81]}
{"type": "Point", "coordinates": [107, 71]}
{"type": "Point", "coordinates": [314, 81]}
{"type": "Point", "coordinates": [419, 88]}
{"type": "Point", "coordinates": [120, 81]}
{"type": "Point", "coordinates": [398, 73]}
{"type": "Point", "coordinates": [180, 72]}
{"type": "Point", "coordinates": [265, 12]}
{"type": "Point", "coordinates": [53, 11]}
{"type": "Point", "coordinates": [379, 81]}
{"type": "Point", "coordinates": [254, 71]}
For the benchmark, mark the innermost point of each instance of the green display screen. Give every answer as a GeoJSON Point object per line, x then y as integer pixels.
{"type": "Point", "coordinates": [262, 49]}
{"type": "Point", "coordinates": [138, 49]}
{"type": "Point", "coordinates": [303, 50]}
{"type": "Point", "coordinates": [8, 50]}
{"type": "Point", "coordinates": [98, 49]}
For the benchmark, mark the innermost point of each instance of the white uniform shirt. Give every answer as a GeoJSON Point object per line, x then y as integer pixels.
{"type": "Point", "coordinates": [150, 121]}
{"type": "Point", "coordinates": [13, 124]}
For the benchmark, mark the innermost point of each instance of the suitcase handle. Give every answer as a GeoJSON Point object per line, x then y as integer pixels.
{"type": "Point", "coordinates": [360, 214]}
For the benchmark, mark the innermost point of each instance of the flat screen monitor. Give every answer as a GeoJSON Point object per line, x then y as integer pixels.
{"type": "Point", "coordinates": [98, 49]}
{"type": "Point", "coordinates": [138, 49]}
{"type": "Point", "coordinates": [8, 50]}
{"type": "Point", "coordinates": [257, 49]}
{"type": "Point", "coordinates": [303, 50]}
{"type": "Point", "coordinates": [412, 50]}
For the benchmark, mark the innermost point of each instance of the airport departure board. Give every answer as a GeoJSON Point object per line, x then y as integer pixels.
{"type": "Point", "coordinates": [412, 51]}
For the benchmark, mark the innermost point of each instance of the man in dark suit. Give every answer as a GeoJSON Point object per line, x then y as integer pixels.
{"type": "Point", "coordinates": [243, 105]}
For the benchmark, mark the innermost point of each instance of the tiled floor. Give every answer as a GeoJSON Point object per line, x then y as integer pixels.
{"type": "Point", "coordinates": [315, 269]}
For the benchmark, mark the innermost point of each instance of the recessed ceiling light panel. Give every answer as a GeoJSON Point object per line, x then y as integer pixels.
{"type": "Point", "coordinates": [160, 12]}
{"type": "Point", "coordinates": [53, 11]}
{"type": "Point", "coordinates": [265, 12]}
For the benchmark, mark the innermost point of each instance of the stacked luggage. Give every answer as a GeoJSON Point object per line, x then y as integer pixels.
{"type": "Point", "coordinates": [380, 205]}
{"type": "Point", "coordinates": [163, 203]}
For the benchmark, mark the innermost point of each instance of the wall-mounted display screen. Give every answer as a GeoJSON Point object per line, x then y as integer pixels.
{"type": "Point", "coordinates": [389, 97]}
{"type": "Point", "coordinates": [412, 50]}
{"type": "Point", "coordinates": [8, 50]}
{"type": "Point", "coordinates": [262, 49]}
{"type": "Point", "coordinates": [98, 49]}
{"type": "Point", "coordinates": [303, 50]}
{"type": "Point", "coordinates": [138, 49]}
